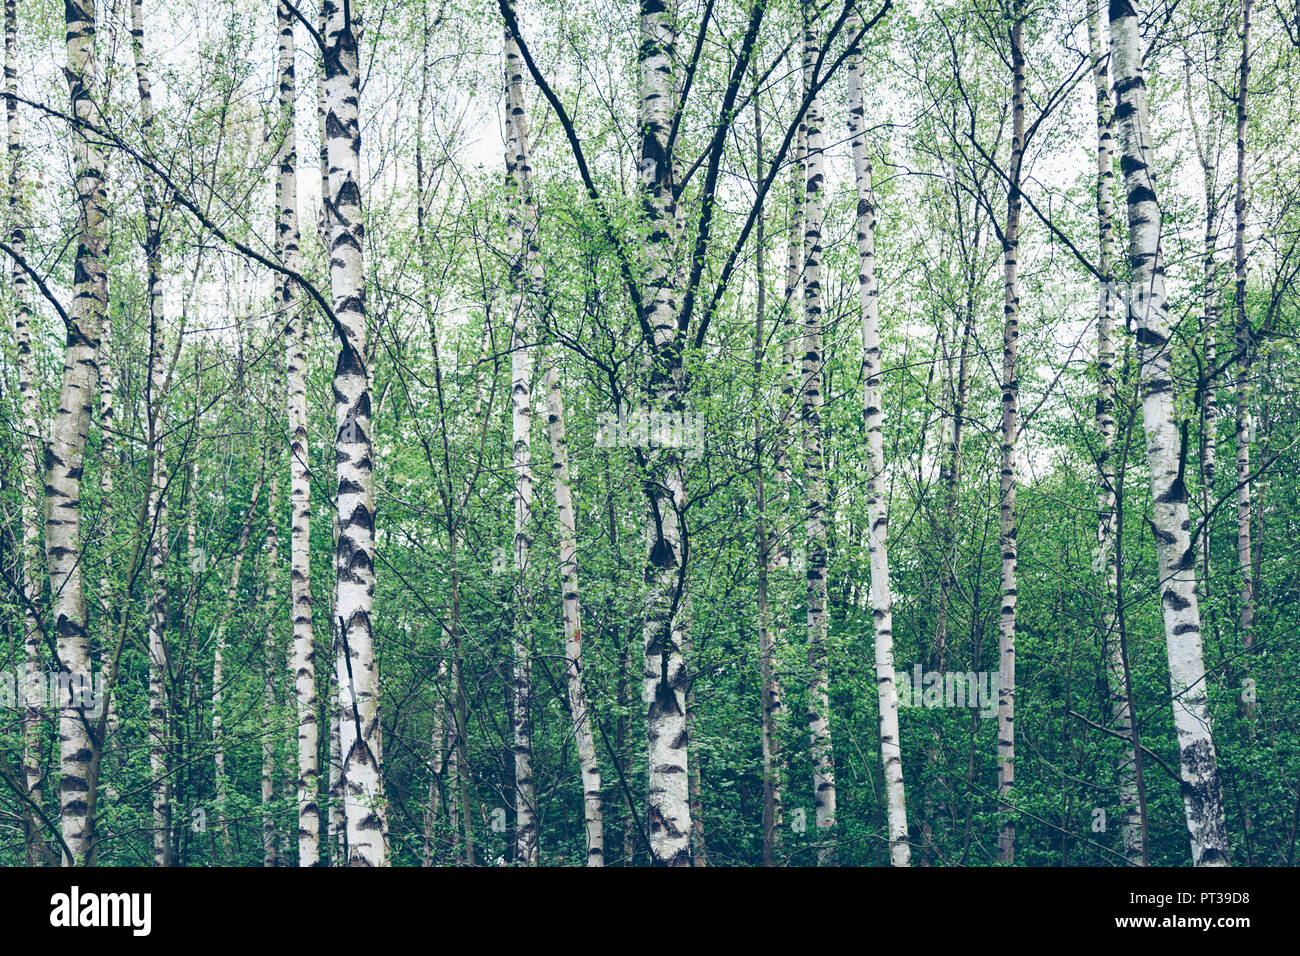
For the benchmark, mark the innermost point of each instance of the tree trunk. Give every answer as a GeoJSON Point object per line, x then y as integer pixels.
{"type": "Point", "coordinates": [218, 664]}
{"type": "Point", "coordinates": [770, 690]}
{"type": "Point", "coordinates": [270, 670]}
{"type": "Point", "coordinates": [819, 728]}
{"type": "Point", "coordinates": [1010, 434]}
{"type": "Point", "coordinates": [1244, 344]}
{"type": "Point", "coordinates": [295, 360]}
{"type": "Point", "coordinates": [1148, 313]}
{"type": "Point", "coordinates": [582, 735]}
{"type": "Point", "coordinates": [360, 741]}
{"type": "Point", "coordinates": [522, 225]}
{"type": "Point", "coordinates": [160, 780]}
{"type": "Point", "coordinates": [65, 453]}
{"type": "Point", "coordinates": [160, 533]}
{"type": "Point", "coordinates": [882, 597]}
{"type": "Point", "coordinates": [1104, 565]}
{"type": "Point", "coordinates": [664, 678]}
{"type": "Point", "coordinates": [30, 472]}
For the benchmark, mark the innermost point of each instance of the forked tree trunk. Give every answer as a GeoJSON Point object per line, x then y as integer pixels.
{"type": "Point", "coordinates": [218, 666]}
{"type": "Point", "coordinates": [1149, 315]}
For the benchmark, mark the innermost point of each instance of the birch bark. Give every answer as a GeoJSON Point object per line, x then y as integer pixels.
{"type": "Point", "coordinates": [65, 452]}
{"type": "Point", "coordinates": [357, 669]}
{"type": "Point", "coordinates": [522, 226]}
{"type": "Point", "coordinates": [819, 728]}
{"type": "Point", "coordinates": [1148, 313]}
{"type": "Point", "coordinates": [1010, 435]}
{"type": "Point", "coordinates": [663, 683]}
{"type": "Point", "coordinates": [30, 409]}
{"type": "Point", "coordinates": [1121, 719]}
{"type": "Point", "coordinates": [295, 361]}
{"type": "Point", "coordinates": [882, 597]}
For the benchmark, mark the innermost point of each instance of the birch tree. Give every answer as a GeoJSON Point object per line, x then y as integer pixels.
{"type": "Point", "coordinates": [357, 671]}
{"type": "Point", "coordinates": [1148, 312]}
{"type": "Point", "coordinates": [882, 597]}
{"type": "Point", "coordinates": [65, 452]}
{"type": "Point", "coordinates": [1116, 674]}
{"type": "Point", "coordinates": [32, 435]}
{"type": "Point", "coordinates": [295, 360]}
{"type": "Point", "coordinates": [522, 225]}
{"type": "Point", "coordinates": [819, 728]}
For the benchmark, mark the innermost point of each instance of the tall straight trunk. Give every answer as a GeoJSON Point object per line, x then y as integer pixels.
{"type": "Point", "coordinates": [65, 452]}
{"type": "Point", "coordinates": [160, 540]}
{"type": "Point", "coordinates": [770, 690]}
{"type": "Point", "coordinates": [456, 764]}
{"type": "Point", "coordinates": [295, 360]}
{"type": "Point", "coordinates": [160, 780]}
{"type": "Point", "coordinates": [950, 468]}
{"type": "Point", "coordinates": [270, 671]}
{"type": "Point", "coordinates": [1149, 315]}
{"type": "Point", "coordinates": [522, 225]}
{"type": "Point", "coordinates": [218, 665]}
{"type": "Point", "coordinates": [1117, 679]}
{"type": "Point", "coordinates": [882, 596]}
{"type": "Point", "coordinates": [1210, 401]}
{"type": "Point", "coordinates": [1010, 434]}
{"type": "Point", "coordinates": [1208, 152]}
{"type": "Point", "coordinates": [819, 728]}
{"type": "Point", "coordinates": [683, 638]}
{"type": "Point", "coordinates": [582, 735]}
{"type": "Point", "coordinates": [30, 410]}
{"type": "Point", "coordinates": [438, 762]}
{"type": "Point", "coordinates": [663, 688]}
{"type": "Point", "coordinates": [107, 597]}
{"type": "Point", "coordinates": [1244, 344]}
{"type": "Point", "coordinates": [793, 301]}
{"type": "Point", "coordinates": [357, 669]}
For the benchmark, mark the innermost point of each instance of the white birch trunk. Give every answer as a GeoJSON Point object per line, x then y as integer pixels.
{"type": "Point", "coordinates": [218, 666]}
{"type": "Point", "coordinates": [295, 360]}
{"type": "Point", "coordinates": [1149, 315]}
{"type": "Point", "coordinates": [30, 470]}
{"type": "Point", "coordinates": [65, 452]}
{"type": "Point", "coordinates": [1117, 683]}
{"type": "Point", "coordinates": [270, 670]}
{"type": "Point", "coordinates": [663, 685]}
{"type": "Point", "coordinates": [819, 728]}
{"type": "Point", "coordinates": [1010, 434]}
{"type": "Point", "coordinates": [1244, 344]}
{"type": "Point", "coordinates": [593, 816]}
{"type": "Point", "coordinates": [357, 669]}
{"type": "Point", "coordinates": [882, 597]}
{"type": "Point", "coordinates": [521, 219]}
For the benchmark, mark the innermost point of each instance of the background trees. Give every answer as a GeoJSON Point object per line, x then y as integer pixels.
{"type": "Point", "coordinates": [303, 269]}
